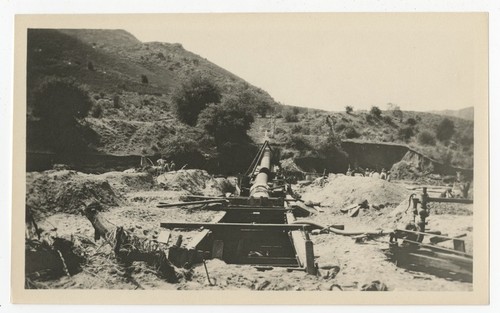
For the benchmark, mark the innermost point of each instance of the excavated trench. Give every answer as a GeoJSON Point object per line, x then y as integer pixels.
{"type": "Point", "coordinates": [377, 156]}
{"type": "Point", "coordinates": [236, 159]}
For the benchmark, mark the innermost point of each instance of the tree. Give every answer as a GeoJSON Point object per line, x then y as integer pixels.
{"type": "Point", "coordinates": [406, 133]}
{"type": "Point", "coordinates": [411, 121]}
{"type": "Point", "coordinates": [331, 148]}
{"type": "Point", "coordinates": [61, 104]}
{"type": "Point", "coordinates": [396, 110]}
{"type": "Point", "coordinates": [445, 130]}
{"type": "Point", "coordinates": [262, 108]}
{"type": "Point", "coordinates": [144, 79]}
{"type": "Point", "coordinates": [227, 122]}
{"type": "Point", "coordinates": [426, 138]}
{"type": "Point", "coordinates": [61, 101]}
{"type": "Point", "coordinates": [349, 109]}
{"type": "Point", "coordinates": [193, 96]}
{"type": "Point", "coordinates": [375, 111]}
{"type": "Point", "coordinates": [291, 117]}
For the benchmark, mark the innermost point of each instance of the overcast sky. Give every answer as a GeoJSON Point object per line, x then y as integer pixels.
{"type": "Point", "coordinates": [328, 61]}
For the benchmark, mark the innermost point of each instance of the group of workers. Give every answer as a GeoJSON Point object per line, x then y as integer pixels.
{"type": "Point", "coordinates": [165, 166]}
{"type": "Point", "coordinates": [383, 174]}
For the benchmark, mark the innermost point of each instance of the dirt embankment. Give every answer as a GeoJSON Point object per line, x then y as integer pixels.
{"type": "Point", "coordinates": [342, 191]}
{"type": "Point", "coordinates": [66, 191]}
{"type": "Point", "coordinates": [196, 182]}
{"type": "Point", "coordinates": [343, 263]}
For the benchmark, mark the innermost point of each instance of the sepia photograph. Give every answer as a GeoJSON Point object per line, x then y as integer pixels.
{"type": "Point", "coordinates": [306, 152]}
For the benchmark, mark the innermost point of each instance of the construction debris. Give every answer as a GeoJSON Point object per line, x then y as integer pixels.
{"type": "Point", "coordinates": [129, 248]}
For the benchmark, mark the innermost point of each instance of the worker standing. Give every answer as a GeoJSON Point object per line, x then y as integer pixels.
{"type": "Point", "coordinates": [383, 175]}
{"type": "Point", "coordinates": [161, 162]}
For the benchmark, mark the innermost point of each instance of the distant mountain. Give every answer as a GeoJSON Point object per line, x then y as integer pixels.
{"type": "Point", "coordinates": [133, 117]}
{"type": "Point", "coordinates": [114, 61]}
{"type": "Point", "coordinates": [465, 113]}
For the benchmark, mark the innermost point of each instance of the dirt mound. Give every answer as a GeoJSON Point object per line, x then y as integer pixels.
{"type": "Point", "coordinates": [405, 170]}
{"type": "Point", "coordinates": [343, 191]}
{"type": "Point", "coordinates": [197, 182]}
{"type": "Point", "coordinates": [66, 191]}
{"type": "Point", "coordinates": [123, 181]}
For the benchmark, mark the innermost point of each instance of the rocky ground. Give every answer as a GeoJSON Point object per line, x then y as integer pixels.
{"type": "Point", "coordinates": [130, 201]}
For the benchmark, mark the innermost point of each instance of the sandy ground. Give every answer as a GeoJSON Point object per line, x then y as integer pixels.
{"type": "Point", "coordinates": [344, 264]}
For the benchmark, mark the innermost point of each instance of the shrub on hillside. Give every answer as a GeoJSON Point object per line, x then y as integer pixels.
{"type": "Point", "coordinates": [398, 113]}
{"type": "Point", "coordinates": [97, 110]}
{"type": "Point", "coordinates": [395, 110]}
{"type": "Point", "coordinates": [349, 109]}
{"type": "Point", "coordinates": [60, 104]}
{"type": "Point", "coordinates": [291, 117]}
{"type": "Point", "coordinates": [406, 133]}
{"type": "Point", "coordinates": [262, 108]}
{"type": "Point", "coordinates": [144, 79]}
{"type": "Point", "coordinates": [296, 129]}
{"type": "Point", "coordinates": [331, 147]}
{"type": "Point", "coordinates": [387, 119]}
{"type": "Point", "coordinates": [445, 130]}
{"type": "Point", "coordinates": [411, 121]}
{"type": "Point", "coordinates": [90, 66]}
{"type": "Point", "coordinates": [350, 133]}
{"type": "Point", "coordinates": [161, 56]}
{"type": "Point", "coordinates": [227, 122]}
{"type": "Point", "coordinates": [466, 139]}
{"type": "Point", "coordinates": [193, 96]}
{"type": "Point", "coordinates": [298, 142]}
{"type": "Point", "coordinates": [60, 100]}
{"type": "Point", "coordinates": [279, 131]}
{"type": "Point", "coordinates": [426, 138]}
{"type": "Point", "coordinates": [116, 101]}
{"type": "Point", "coordinates": [339, 127]}
{"type": "Point", "coordinates": [375, 111]}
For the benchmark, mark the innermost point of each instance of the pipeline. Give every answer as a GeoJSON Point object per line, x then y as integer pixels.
{"type": "Point", "coordinates": [315, 225]}
{"type": "Point", "coordinates": [259, 188]}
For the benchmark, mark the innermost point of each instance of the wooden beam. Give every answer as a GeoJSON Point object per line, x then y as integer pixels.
{"type": "Point", "coordinates": [439, 248]}
{"type": "Point", "coordinates": [303, 247]}
{"type": "Point", "coordinates": [444, 238]}
{"type": "Point", "coordinates": [437, 263]}
{"type": "Point", "coordinates": [196, 241]}
{"type": "Point", "coordinates": [237, 226]}
{"type": "Point", "coordinates": [269, 260]}
{"type": "Point", "coordinates": [451, 200]}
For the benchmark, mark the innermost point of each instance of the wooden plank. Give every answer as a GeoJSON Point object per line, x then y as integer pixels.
{"type": "Point", "coordinates": [236, 226]}
{"type": "Point", "coordinates": [197, 239]}
{"type": "Point", "coordinates": [434, 235]}
{"type": "Point", "coordinates": [451, 200]}
{"type": "Point", "coordinates": [319, 209]}
{"type": "Point", "coordinates": [255, 209]}
{"type": "Point", "coordinates": [164, 236]}
{"type": "Point", "coordinates": [437, 263]}
{"type": "Point", "coordinates": [269, 260]}
{"type": "Point", "coordinates": [218, 249]}
{"type": "Point", "coordinates": [193, 243]}
{"type": "Point", "coordinates": [310, 266]}
{"type": "Point", "coordinates": [459, 245]}
{"type": "Point", "coordinates": [439, 248]}
{"type": "Point", "coordinates": [435, 239]}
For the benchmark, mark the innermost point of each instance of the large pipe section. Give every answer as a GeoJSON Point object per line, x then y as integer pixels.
{"type": "Point", "coordinates": [259, 188]}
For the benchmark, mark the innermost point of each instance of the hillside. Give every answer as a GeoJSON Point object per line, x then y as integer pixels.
{"type": "Point", "coordinates": [112, 62]}
{"type": "Point", "coordinates": [300, 132]}
{"type": "Point", "coordinates": [131, 85]}
{"type": "Point", "coordinates": [465, 113]}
